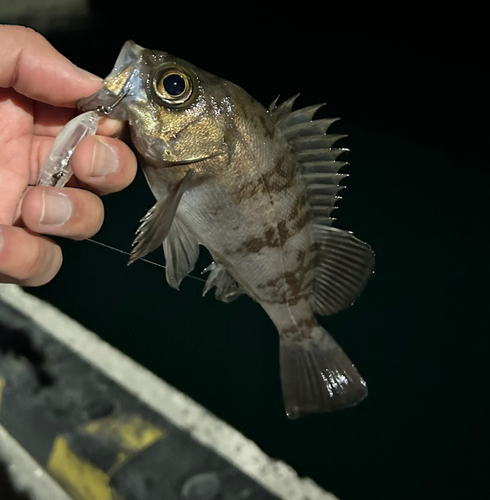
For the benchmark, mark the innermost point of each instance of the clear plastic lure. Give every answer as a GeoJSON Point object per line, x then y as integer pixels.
{"type": "Point", "coordinates": [57, 169]}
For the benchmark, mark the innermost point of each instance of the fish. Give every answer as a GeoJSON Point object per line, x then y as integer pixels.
{"type": "Point", "coordinates": [256, 186]}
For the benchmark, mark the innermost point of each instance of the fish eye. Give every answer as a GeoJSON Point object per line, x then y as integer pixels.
{"type": "Point", "coordinates": [173, 85]}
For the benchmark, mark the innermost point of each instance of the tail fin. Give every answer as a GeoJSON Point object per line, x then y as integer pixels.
{"type": "Point", "coordinates": [317, 376]}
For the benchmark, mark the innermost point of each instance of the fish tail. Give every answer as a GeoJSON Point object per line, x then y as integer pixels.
{"type": "Point", "coordinates": [317, 376]}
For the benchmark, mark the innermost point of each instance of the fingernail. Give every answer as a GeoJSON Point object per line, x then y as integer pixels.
{"type": "Point", "coordinates": [87, 74]}
{"type": "Point", "coordinates": [104, 159]}
{"type": "Point", "coordinates": [57, 208]}
{"type": "Point", "coordinates": [1, 239]}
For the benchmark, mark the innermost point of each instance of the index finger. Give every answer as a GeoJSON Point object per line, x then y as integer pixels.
{"type": "Point", "coordinates": [33, 67]}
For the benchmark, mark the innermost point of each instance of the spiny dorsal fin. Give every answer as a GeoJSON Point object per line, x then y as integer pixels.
{"type": "Point", "coordinates": [283, 109]}
{"type": "Point", "coordinates": [312, 148]}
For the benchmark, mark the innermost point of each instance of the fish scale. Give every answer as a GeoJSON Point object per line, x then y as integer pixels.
{"type": "Point", "coordinates": [256, 187]}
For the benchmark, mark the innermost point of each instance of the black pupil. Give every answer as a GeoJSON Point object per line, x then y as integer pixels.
{"type": "Point", "coordinates": [174, 84]}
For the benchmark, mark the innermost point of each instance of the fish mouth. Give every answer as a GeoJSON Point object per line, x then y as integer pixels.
{"type": "Point", "coordinates": [101, 99]}
{"type": "Point", "coordinates": [121, 81]}
{"type": "Point", "coordinates": [102, 102]}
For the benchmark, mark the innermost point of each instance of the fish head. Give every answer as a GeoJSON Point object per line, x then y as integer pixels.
{"type": "Point", "coordinates": [177, 113]}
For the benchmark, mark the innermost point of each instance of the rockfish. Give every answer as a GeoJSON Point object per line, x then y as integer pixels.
{"type": "Point", "coordinates": [256, 187]}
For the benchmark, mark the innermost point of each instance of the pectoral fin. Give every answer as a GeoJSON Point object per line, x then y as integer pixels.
{"type": "Point", "coordinates": [155, 225]}
{"type": "Point", "coordinates": [181, 251]}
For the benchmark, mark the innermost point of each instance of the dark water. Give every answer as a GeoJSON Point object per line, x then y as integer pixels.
{"type": "Point", "coordinates": [412, 99]}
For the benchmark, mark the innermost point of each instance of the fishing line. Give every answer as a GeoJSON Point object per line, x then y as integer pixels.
{"type": "Point", "coordinates": [144, 260]}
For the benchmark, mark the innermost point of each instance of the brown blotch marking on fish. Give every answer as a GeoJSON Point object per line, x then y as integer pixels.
{"type": "Point", "coordinates": [252, 245]}
{"type": "Point", "coordinates": [295, 208]}
{"type": "Point", "coordinates": [281, 167]}
{"type": "Point", "coordinates": [300, 222]}
{"type": "Point", "coordinates": [281, 177]}
{"type": "Point", "coordinates": [249, 190]}
{"type": "Point", "coordinates": [255, 244]}
{"type": "Point", "coordinates": [302, 324]}
{"type": "Point", "coordinates": [288, 228]}
{"type": "Point", "coordinates": [269, 127]}
{"type": "Point", "coordinates": [301, 256]}
{"type": "Point", "coordinates": [301, 331]}
{"type": "Point", "coordinates": [298, 213]}
{"type": "Point", "coordinates": [284, 233]}
{"type": "Point", "coordinates": [276, 180]}
{"type": "Point", "coordinates": [271, 283]}
{"type": "Point", "coordinates": [292, 286]}
{"type": "Point", "coordinates": [295, 280]}
{"type": "Point", "coordinates": [271, 238]}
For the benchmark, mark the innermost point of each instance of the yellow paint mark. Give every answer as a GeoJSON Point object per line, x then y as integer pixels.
{"type": "Point", "coordinates": [2, 385]}
{"type": "Point", "coordinates": [77, 475]}
{"type": "Point", "coordinates": [129, 432]}
{"type": "Point", "coordinates": [124, 435]}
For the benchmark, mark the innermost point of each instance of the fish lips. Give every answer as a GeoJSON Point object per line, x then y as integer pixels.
{"type": "Point", "coordinates": [103, 99]}
{"type": "Point", "coordinates": [106, 100]}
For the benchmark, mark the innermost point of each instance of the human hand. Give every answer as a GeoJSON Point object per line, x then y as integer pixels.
{"type": "Point", "coordinates": [39, 89]}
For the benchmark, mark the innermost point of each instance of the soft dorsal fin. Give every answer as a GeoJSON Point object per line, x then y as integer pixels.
{"type": "Point", "coordinates": [344, 263]}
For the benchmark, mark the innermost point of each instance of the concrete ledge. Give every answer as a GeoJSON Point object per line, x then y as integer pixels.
{"type": "Point", "coordinates": [28, 477]}
{"type": "Point", "coordinates": [275, 476]}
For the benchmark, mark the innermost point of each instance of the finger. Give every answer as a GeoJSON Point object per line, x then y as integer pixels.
{"type": "Point", "coordinates": [34, 68]}
{"type": "Point", "coordinates": [27, 259]}
{"type": "Point", "coordinates": [49, 120]}
{"type": "Point", "coordinates": [110, 127]}
{"type": "Point", "coordinates": [103, 164]}
{"type": "Point", "coordinates": [68, 212]}
{"type": "Point", "coordinates": [89, 158]}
